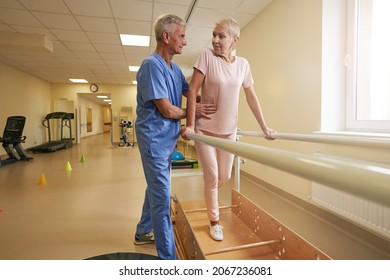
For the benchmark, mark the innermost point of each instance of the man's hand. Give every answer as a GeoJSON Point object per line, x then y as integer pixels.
{"type": "Point", "coordinates": [203, 110]}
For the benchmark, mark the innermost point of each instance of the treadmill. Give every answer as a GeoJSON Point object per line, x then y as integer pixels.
{"type": "Point", "coordinates": [62, 143]}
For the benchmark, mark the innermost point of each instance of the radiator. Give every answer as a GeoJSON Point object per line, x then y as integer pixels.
{"type": "Point", "coordinates": [366, 213]}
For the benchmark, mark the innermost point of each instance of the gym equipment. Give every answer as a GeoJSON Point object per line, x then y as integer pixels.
{"type": "Point", "coordinates": [12, 139]}
{"type": "Point", "coordinates": [178, 161]}
{"type": "Point", "coordinates": [125, 126]}
{"type": "Point", "coordinates": [63, 143]}
{"type": "Point", "coordinates": [176, 155]}
{"type": "Point", "coordinates": [184, 163]}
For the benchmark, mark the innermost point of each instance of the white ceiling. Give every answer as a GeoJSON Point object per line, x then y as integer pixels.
{"type": "Point", "coordinates": [85, 34]}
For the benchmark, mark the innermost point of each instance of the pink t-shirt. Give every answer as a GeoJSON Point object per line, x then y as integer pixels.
{"type": "Point", "coordinates": [221, 87]}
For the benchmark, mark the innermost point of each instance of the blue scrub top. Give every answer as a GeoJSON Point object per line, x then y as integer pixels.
{"type": "Point", "coordinates": [157, 136]}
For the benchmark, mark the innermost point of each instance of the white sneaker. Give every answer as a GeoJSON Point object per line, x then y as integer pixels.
{"type": "Point", "coordinates": [216, 232]}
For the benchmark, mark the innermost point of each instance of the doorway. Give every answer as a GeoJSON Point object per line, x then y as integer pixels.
{"type": "Point", "coordinates": [94, 115]}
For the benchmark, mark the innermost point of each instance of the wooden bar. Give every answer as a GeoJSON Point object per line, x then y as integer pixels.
{"type": "Point", "coordinates": [242, 247]}
{"type": "Point", "coordinates": [205, 209]}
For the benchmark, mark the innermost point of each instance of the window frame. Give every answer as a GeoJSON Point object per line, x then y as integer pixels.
{"type": "Point", "coordinates": [350, 62]}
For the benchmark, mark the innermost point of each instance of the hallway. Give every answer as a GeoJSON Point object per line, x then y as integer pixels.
{"type": "Point", "coordinates": [91, 210]}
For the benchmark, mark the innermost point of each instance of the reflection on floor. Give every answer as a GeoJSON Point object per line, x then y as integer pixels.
{"type": "Point", "coordinates": [93, 208]}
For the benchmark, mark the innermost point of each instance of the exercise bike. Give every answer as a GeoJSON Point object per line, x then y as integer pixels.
{"type": "Point", "coordinates": [12, 139]}
{"type": "Point", "coordinates": [125, 130]}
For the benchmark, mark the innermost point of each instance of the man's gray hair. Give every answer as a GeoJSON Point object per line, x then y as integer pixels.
{"type": "Point", "coordinates": [166, 23]}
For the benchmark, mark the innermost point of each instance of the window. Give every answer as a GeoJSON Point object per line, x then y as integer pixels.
{"type": "Point", "coordinates": [368, 65]}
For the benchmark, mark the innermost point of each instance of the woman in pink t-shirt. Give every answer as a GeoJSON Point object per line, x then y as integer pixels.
{"type": "Point", "coordinates": [219, 75]}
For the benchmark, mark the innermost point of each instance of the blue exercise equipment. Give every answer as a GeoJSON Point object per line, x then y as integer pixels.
{"type": "Point", "coordinates": [179, 161]}
{"type": "Point", "coordinates": [176, 155]}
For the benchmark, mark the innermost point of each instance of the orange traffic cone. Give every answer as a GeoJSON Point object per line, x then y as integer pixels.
{"type": "Point", "coordinates": [42, 180]}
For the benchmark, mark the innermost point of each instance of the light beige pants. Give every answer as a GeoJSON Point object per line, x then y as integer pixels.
{"type": "Point", "coordinates": [217, 169]}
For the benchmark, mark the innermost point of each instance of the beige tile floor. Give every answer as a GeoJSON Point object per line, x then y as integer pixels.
{"type": "Point", "coordinates": [91, 210]}
{"type": "Point", "coordinates": [94, 208]}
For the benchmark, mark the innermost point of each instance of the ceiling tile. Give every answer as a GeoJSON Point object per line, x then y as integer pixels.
{"type": "Point", "coordinates": [134, 27]}
{"type": "Point", "coordinates": [57, 21]}
{"type": "Point", "coordinates": [6, 28]}
{"type": "Point", "coordinates": [175, 2]}
{"type": "Point", "coordinates": [104, 38]}
{"type": "Point", "coordinates": [74, 46]}
{"type": "Point", "coordinates": [219, 5]}
{"type": "Point", "coordinates": [112, 56]}
{"type": "Point", "coordinates": [253, 7]}
{"type": "Point", "coordinates": [18, 17]}
{"type": "Point", "coordinates": [109, 48]}
{"type": "Point", "coordinates": [206, 17]}
{"type": "Point", "coordinates": [160, 9]}
{"type": "Point", "coordinates": [35, 30]}
{"type": "Point", "coordinates": [97, 24]}
{"type": "Point", "coordinates": [50, 6]}
{"type": "Point", "coordinates": [86, 56]}
{"type": "Point", "coordinates": [70, 35]}
{"type": "Point", "coordinates": [95, 8]}
{"type": "Point", "coordinates": [131, 9]}
{"type": "Point", "coordinates": [10, 4]}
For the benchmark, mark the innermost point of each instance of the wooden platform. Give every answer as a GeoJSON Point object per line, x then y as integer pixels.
{"type": "Point", "coordinates": [249, 233]}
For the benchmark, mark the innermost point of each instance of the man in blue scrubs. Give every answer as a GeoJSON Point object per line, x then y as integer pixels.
{"type": "Point", "coordinates": [160, 86]}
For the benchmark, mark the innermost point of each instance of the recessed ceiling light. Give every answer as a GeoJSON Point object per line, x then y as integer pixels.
{"type": "Point", "coordinates": [133, 68]}
{"type": "Point", "coordinates": [102, 96]}
{"type": "Point", "coordinates": [80, 81]}
{"type": "Point", "coordinates": [134, 82]}
{"type": "Point", "coordinates": [135, 40]}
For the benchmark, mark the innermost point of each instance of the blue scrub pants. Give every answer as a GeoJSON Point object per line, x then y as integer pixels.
{"type": "Point", "coordinates": [156, 208]}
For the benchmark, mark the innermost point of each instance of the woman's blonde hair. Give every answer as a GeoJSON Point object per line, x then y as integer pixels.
{"type": "Point", "coordinates": [231, 25]}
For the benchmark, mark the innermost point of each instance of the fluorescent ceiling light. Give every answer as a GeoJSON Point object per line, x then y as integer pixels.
{"type": "Point", "coordinates": [133, 68]}
{"type": "Point", "coordinates": [135, 40]}
{"type": "Point", "coordinates": [80, 81]}
{"type": "Point", "coordinates": [134, 82]}
{"type": "Point", "coordinates": [102, 96]}
{"type": "Point", "coordinates": [107, 100]}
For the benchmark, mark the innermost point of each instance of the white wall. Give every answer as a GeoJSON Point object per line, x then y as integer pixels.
{"type": "Point", "coordinates": [25, 95]}
{"type": "Point", "coordinates": [284, 48]}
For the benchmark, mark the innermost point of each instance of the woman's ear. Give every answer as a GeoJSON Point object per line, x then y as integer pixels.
{"type": "Point", "coordinates": [234, 42]}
